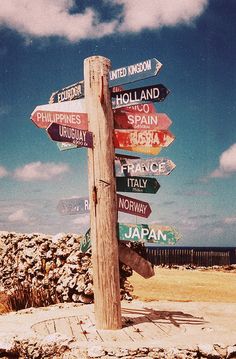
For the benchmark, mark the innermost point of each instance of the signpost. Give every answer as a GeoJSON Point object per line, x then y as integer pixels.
{"type": "Point", "coordinates": [73, 206]}
{"type": "Point", "coordinates": [72, 92]}
{"type": "Point", "coordinates": [155, 93]}
{"type": "Point", "coordinates": [147, 138]}
{"type": "Point", "coordinates": [133, 206]}
{"type": "Point", "coordinates": [141, 121]}
{"type": "Point", "coordinates": [80, 138]}
{"type": "Point", "coordinates": [148, 233]}
{"type": "Point", "coordinates": [144, 167]}
{"type": "Point", "coordinates": [137, 184]}
{"type": "Point", "coordinates": [132, 73]}
{"type": "Point", "coordinates": [63, 146]}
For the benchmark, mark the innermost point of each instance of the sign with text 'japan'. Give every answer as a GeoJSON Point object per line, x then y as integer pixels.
{"type": "Point", "coordinates": [144, 167]}
{"type": "Point", "coordinates": [69, 93]}
{"type": "Point", "coordinates": [148, 233]}
{"type": "Point", "coordinates": [141, 121]}
{"type": "Point", "coordinates": [136, 72]}
{"type": "Point", "coordinates": [137, 184]}
{"type": "Point", "coordinates": [80, 138]}
{"type": "Point", "coordinates": [73, 206]}
{"type": "Point", "coordinates": [133, 206]}
{"type": "Point", "coordinates": [155, 93]}
{"type": "Point", "coordinates": [146, 138]}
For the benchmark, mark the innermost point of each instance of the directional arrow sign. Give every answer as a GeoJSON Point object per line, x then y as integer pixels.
{"type": "Point", "coordinates": [72, 119]}
{"type": "Point", "coordinates": [154, 233]}
{"type": "Point", "coordinates": [80, 138]}
{"type": "Point", "coordinates": [137, 184]}
{"type": "Point", "coordinates": [142, 149]}
{"type": "Point", "coordinates": [141, 121]}
{"type": "Point", "coordinates": [73, 205]}
{"type": "Point", "coordinates": [147, 107]}
{"type": "Point", "coordinates": [155, 93]}
{"type": "Point", "coordinates": [63, 146]}
{"type": "Point", "coordinates": [133, 206]}
{"type": "Point", "coordinates": [131, 73]}
{"type": "Point", "coordinates": [68, 93]}
{"type": "Point", "coordinates": [144, 167]}
{"type": "Point", "coordinates": [148, 138]}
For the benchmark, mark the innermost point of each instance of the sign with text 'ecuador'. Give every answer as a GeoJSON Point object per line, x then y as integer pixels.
{"type": "Point", "coordinates": [146, 138]}
{"type": "Point", "coordinates": [148, 233]}
{"type": "Point", "coordinates": [136, 72]}
{"type": "Point", "coordinates": [133, 206]}
{"type": "Point", "coordinates": [141, 121]}
{"type": "Point", "coordinates": [73, 206]}
{"type": "Point", "coordinates": [69, 93]}
{"type": "Point", "coordinates": [155, 93]}
{"type": "Point", "coordinates": [80, 138]}
{"type": "Point", "coordinates": [144, 167]}
{"type": "Point", "coordinates": [137, 184]}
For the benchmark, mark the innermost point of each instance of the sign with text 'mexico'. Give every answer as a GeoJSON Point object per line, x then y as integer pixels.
{"type": "Point", "coordinates": [137, 184]}
{"type": "Point", "coordinates": [148, 233]}
{"type": "Point", "coordinates": [80, 138]}
{"type": "Point", "coordinates": [143, 167]}
{"type": "Point", "coordinates": [69, 93]}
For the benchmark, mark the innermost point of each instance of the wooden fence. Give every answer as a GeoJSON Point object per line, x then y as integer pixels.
{"type": "Point", "coordinates": [196, 256]}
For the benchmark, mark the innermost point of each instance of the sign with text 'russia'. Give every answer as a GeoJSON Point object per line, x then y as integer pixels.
{"type": "Point", "coordinates": [133, 206]}
{"type": "Point", "coordinates": [137, 184]}
{"type": "Point", "coordinates": [80, 138]}
{"type": "Point", "coordinates": [155, 93]}
{"type": "Point", "coordinates": [73, 206]}
{"type": "Point", "coordinates": [148, 233]}
{"type": "Point", "coordinates": [144, 167]}
{"type": "Point", "coordinates": [141, 121]}
{"type": "Point", "coordinates": [69, 93]}
{"type": "Point", "coordinates": [136, 72]}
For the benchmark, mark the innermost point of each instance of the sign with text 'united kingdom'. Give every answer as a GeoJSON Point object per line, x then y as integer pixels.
{"type": "Point", "coordinates": [137, 184]}
{"type": "Point", "coordinates": [141, 121]}
{"type": "Point", "coordinates": [69, 93]}
{"type": "Point", "coordinates": [80, 138]}
{"type": "Point", "coordinates": [148, 233]}
{"type": "Point", "coordinates": [73, 206]}
{"type": "Point", "coordinates": [155, 93]}
{"type": "Point", "coordinates": [133, 206]}
{"type": "Point", "coordinates": [144, 167]}
{"type": "Point", "coordinates": [136, 72]}
{"type": "Point", "coordinates": [146, 138]}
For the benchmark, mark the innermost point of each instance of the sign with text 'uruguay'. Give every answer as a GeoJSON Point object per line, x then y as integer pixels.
{"type": "Point", "coordinates": [155, 93]}
{"type": "Point", "coordinates": [148, 233]}
{"type": "Point", "coordinates": [133, 206]}
{"type": "Point", "coordinates": [69, 93]}
{"type": "Point", "coordinates": [144, 167]}
{"type": "Point", "coordinates": [80, 138]}
{"type": "Point", "coordinates": [146, 138]}
{"type": "Point", "coordinates": [136, 72]}
{"type": "Point", "coordinates": [137, 184]}
{"type": "Point", "coordinates": [141, 121]}
{"type": "Point", "coordinates": [73, 206]}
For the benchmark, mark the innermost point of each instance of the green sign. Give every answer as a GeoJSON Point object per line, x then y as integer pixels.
{"type": "Point", "coordinates": [137, 184]}
{"type": "Point", "coordinates": [86, 242]}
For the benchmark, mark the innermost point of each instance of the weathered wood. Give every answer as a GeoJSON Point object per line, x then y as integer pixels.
{"type": "Point", "coordinates": [102, 193]}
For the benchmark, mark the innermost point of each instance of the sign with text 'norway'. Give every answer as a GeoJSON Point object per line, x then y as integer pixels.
{"type": "Point", "coordinates": [155, 93]}
{"type": "Point", "coordinates": [69, 93]}
{"type": "Point", "coordinates": [137, 184]}
{"type": "Point", "coordinates": [133, 206]}
{"type": "Point", "coordinates": [73, 206]}
{"type": "Point", "coordinates": [146, 138]}
{"type": "Point", "coordinates": [141, 121]}
{"type": "Point", "coordinates": [80, 138]}
{"type": "Point", "coordinates": [144, 167]}
{"type": "Point", "coordinates": [148, 233]}
{"type": "Point", "coordinates": [136, 72]}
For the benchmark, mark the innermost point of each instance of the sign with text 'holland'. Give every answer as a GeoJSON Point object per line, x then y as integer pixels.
{"type": "Point", "coordinates": [136, 72]}
{"type": "Point", "coordinates": [141, 121]}
{"type": "Point", "coordinates": [144, 167]}
{"type": "Point", "coordinates": [80, 138]}
{"type": "Point", "coordinates": [146, 138]}
{"type": "Point", "coordinates": [155, 93]}
{"type": "Point", "coordinates": [69, 93]}
{"type": "Point", "coordinates": [133, 206]}
{"type": "Point", "coordinates": [137, 184]}
{"type": "Point", "coordinates": [73, 206]}
{"type": "Point", "coordinates": [148, 233]}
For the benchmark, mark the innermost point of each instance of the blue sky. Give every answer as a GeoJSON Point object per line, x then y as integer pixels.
{"type": "Point", "coordinates": [42, 48]}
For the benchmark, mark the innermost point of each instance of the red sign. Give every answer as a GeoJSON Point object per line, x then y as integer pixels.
{"type": "Point", "coordinates": [43, 119]}
{"type": "Point", "coordinates": [147, 107]}
{"type": "Point", "coordinates": [133, 206]}
{"type": "Point", "coordinates": [148, 138]}
{"type": "Point", "coordinates": [141, 120]}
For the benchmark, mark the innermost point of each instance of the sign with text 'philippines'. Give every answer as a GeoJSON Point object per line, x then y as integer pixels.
{"type": "Point", "coordinates": [141, 121]}
{"type": "Point", "coordinates": [80, 138]}
{"type": "Point", "coordinates": [136, 72]}
{"type": "Point", "coordinates": [73, 206]}
{"type": "Point", "coordinates": [155, 93]}
{"type": "Point", "coordinates": [144, 167]}
{"type": "Point", "coordinates": [137, 184]}
{"type": "Point", "coordinates": [148, 233]}
{"type": "Point", "coordinates": [74, 119]}
{"type": "Point", "coordinates": [69, 93]}
{"type": "Point", "coordinates": [133, 206]}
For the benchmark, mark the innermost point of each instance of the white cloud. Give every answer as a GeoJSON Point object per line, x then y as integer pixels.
{"type": "Point", "coordinates": [3, 172]}
{"type": "Point", "coordinates": [44, 18]}
{"type": "Point", "coordinates": [230, 220]}
{"type": "Point", "coordinates": [19, 216]}
{"type": "Point", "coordinates": [227, 163]}
{"type": "Point", "coordinates": [82, 220]}
{"type": "Point", "coordinates": [38, 171]}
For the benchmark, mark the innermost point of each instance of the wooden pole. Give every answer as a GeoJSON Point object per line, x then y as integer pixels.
{"type": "Point", "coordinates": [102, 193]}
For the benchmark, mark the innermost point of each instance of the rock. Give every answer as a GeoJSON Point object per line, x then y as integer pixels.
{"type": "Point", "coordinates": [95, 351]}
{"type": "Point", "coordinates": [231, 352]}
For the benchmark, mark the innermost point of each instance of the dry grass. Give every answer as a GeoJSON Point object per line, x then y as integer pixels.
{"type": "Point", "coordinates": [186, 285]}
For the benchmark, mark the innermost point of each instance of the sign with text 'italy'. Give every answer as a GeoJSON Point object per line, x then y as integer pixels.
{"type": "Point", "coordinates": [80, 138]}
{"type": "Point", "coordinates": [133, 206]}
{"type": "Point", "coordinates": [146, 138]}
{"type": "Point", "coordinates": [148, 233]}
{"type": "Point", "coordinates": [136, 72]}
{"type": "Point", "coordinates": [155, 93]}
{"type": "Point", "coordinates": [141, 121]}
{"type": "Point", "coordinates": [144, 167]}
{"type": "Point", "coordinates": [73, 206]}
{"type": "Point", "coordinates": [69, 93]}
{"type": "Point", "coordinates": [137, 184]}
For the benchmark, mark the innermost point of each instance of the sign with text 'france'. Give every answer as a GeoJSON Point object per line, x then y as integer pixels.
{"type": "Point", "coordinates": [73, 206]}
{"type": "Point", "coordinates": [148, 233]}
{"type": "Point", "coordinates": [133, 206]}
{"type": "Point", "coordinates": [137, 184]}
{"type": "Point", "coordinates": [69, 93]}
{"type": "Point", "coordinates": [141, 121]}
{"type": "Point", "coordinates": [146, 138]}
{"type": "Point", "coordinates": [144, 167]}
{"type": "Point", "coordinates": [155, 93]}
{"type": "Point", "coordinates": [136, 72]}
{"type": "Point", "coordinates": [80, 138]}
